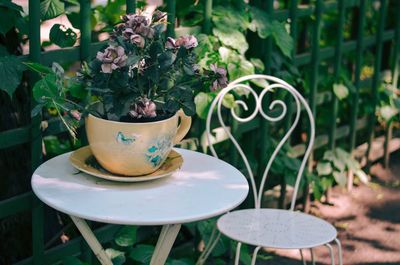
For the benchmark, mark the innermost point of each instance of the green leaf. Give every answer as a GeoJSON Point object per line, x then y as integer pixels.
{"type": "Point", "coordinates": [362, 176]}
{"type": "Point", "coordinates": [62, 36]}
{"type": "Point", "coordinates": [132, 59]}
{"type": "Point", "coordinates": [229, 101]}
{"type": "Point", "coordinates": [232, 38]}
{"type": "Point", "coordinates": [8, 16]}
{"type": "Point", "coordinates": [142, 253]}
{"type": "Point", "coordinates": [324, 168]}
{"type": "Point", "coordinates": [245, 256]}
{"type": "Point", "coordinates": [117, 257]}
{"type": "Point", "coordinates": [341, 91]}
{"type": "Point", "coordinates": [36, 110]}
{"type": "Point", "coordinates": [328, 155]}
{"type": "Point", "coordinates": [37, 67]}
{"type": "Point", "coordinates": [340, 178]}
{"type": "Point", "coordinates": [50, 9]}
{"type": "Point", "coordinates": [260, 22]}
{"type": "Point", "coordinates": [388, 112]}
{"type": "Point", "coordinates": [240, 68]}
{"type": "Point", "coordinates": [203, 102]}
{"type": "Point", "coordinates": [258, 65]}
{"type": "Point", "coordinates": [227, 17]}
{"type": "Point", "coordinates": [46, 88]}
{"type": "Point", "coordinates": [282, 38]}
{"type": "Point", "coordinates": [126, 236]}
{"type": "Point", "coordinates": [166, 59]}
{"type": "Point", "coordinates": [10, 74]}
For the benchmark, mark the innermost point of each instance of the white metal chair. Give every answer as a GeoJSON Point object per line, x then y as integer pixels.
{"type": "Point", "coordinates": [271, 228]}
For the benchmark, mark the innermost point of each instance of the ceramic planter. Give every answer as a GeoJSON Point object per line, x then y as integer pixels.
{"type": "Point", "coordinates": [134, 149]}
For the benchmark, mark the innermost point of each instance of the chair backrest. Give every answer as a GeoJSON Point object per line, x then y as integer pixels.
{"type": "Point", "coordinates": [272, 83]}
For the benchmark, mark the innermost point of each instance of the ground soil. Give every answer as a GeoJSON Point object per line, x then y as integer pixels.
{"type": "Point", "coordinates": [367, 219]}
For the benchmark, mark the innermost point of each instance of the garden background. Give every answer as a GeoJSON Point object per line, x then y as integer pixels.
{"type": "Point", "coordinates": [342, 55]}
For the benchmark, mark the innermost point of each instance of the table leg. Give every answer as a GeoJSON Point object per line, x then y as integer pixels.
{"type": "Point", "coordinates": [91, 240]}
{"type": "Point", "coordinates": [164, 244]}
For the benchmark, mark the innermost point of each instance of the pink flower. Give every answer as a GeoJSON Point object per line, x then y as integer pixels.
{"type": "Point", "coordinates": [188, 42]}
{"type": "Point", "coordinates": [76, 115]}
{"type": "Point", "coordinates": [112, 58]}
{"type": "Point", "coordinates": [222, 80]}
{"type": "Point", "coordinates": [138, 40]}
{"type": "Point", "coordinates": [170, 43]}
{"type": "Point", "coordinates": [144, 107]}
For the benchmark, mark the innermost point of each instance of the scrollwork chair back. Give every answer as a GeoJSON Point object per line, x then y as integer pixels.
{"type": "Point", "coordinates": [273, 83]}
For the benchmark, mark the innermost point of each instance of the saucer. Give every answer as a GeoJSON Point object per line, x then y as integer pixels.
{"type": "Point", "coordinates": [83, 160]}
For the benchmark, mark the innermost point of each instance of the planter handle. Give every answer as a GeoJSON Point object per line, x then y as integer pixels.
{"type": "Point", "coordinates": [183, 128]}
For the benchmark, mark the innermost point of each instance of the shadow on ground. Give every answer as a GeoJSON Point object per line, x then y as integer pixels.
{"type": "Point", "coordinates": [367, 219]}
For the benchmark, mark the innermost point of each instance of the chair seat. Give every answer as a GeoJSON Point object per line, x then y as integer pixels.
{"type": "Point", "coordinates": [276, 228]}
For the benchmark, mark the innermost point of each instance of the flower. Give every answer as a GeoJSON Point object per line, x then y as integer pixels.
{"type": "Point", "coordinates": [112, 58]}
{"type": "Point", "coordinates": [138, 40]}
{"type": "Point", "coordinates": [222, 80]}
{"type": "Point", "coordinates": [188, 42]}
{"type": "Point", "coordinates": [160, 17]}
{"type": "Point", "coordinates": [170, 43]}
{"type": "Point", "coordinates": [75, 114]}
{"type": "Point", "coordinates": [144, 107]}
{"type": "Point", "coordinates": [137, 24]}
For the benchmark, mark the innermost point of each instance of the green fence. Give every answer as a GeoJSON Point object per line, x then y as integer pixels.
{"type": "Point", "coordinates": [385, 43]}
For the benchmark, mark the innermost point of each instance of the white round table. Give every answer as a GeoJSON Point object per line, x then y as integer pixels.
{"type": "Point", "coordinates": [204, 187]}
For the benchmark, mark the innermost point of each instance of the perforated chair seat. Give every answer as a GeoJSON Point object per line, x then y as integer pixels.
{"type": "Point", "coordinates": [276, 228]}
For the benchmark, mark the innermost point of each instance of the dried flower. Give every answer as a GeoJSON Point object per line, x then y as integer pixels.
{"type": "Point", "coordinates": [170, 43]}
{"type": "Point", "coordinates": [112, 58]}
{"type": "Point", "coordinates": [187, 41]}
{"type": "Point", "coordinates": [160, 17]}
{"type": "Point", "coordinates": [138, 40]}
{"type": "Point", "coordinates": [144, 107]}
{"type": "Point", "coordinates": [76, 115]}
{"type": "Point", "coordinates": [145, 31]}
{"type": "Point", "coordinates": [222, 80]}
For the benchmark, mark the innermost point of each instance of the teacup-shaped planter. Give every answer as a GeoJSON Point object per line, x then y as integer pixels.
{"type": "Point", "coordinates": [134, 149]}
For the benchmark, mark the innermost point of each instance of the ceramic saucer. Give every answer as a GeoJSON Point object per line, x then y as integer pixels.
{"type": "Point", "coordinates": [83, 160]}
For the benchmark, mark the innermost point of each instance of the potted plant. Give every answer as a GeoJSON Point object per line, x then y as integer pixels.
{"type": "Point", "coordinates": [131, 94]}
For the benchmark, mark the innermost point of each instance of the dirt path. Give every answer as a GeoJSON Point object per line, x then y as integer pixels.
{"type": "Point", "coordinates": [367, 218]}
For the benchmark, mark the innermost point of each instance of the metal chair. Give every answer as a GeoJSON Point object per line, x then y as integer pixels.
{"type": "Point", "coordinates": [261, 227]}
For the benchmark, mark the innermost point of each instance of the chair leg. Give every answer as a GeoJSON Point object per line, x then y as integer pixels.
{"type": "Point", "coordinates": [254, 258]}
{"type": "Point", "coordinates": [312, 256]}
{"type": "Point", "coordinates": [339, 251]}
{"type": "Point", "coordinates": [237, 256]}
{"type": "Point", "coordinates": [331, 253]}
{"type": "Point", "coordinates": [302, 257]}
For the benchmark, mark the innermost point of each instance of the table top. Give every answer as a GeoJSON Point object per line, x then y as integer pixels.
{"type": "Point", "coordinates": [204, 187]}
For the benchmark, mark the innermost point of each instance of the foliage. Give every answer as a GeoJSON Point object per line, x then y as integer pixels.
{"type": "Point", "coordinates": [138, 76]}
{"type": "Point", "coordinates": [333, 167]}
{"type": "Point", "coordinates": [227, 45]}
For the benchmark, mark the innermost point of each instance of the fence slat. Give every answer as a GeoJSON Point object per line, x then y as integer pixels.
{"type": "Point", "coordinates": [207, 16]}
{"type": "Point", "coordinates": [357, 72]}
{"type": "Point", "coordinates": [377, 75]}
{"type": "Point", "coordinates": [36, 142]}
{"type": "Point", "coordinates": [171, 6]}
{"type": "Point", "coordinates": [336, 72]}
{"type": "Point", "coordinates": [86, 30]}
{"type": "Point", "coordinates": [130, 6]}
